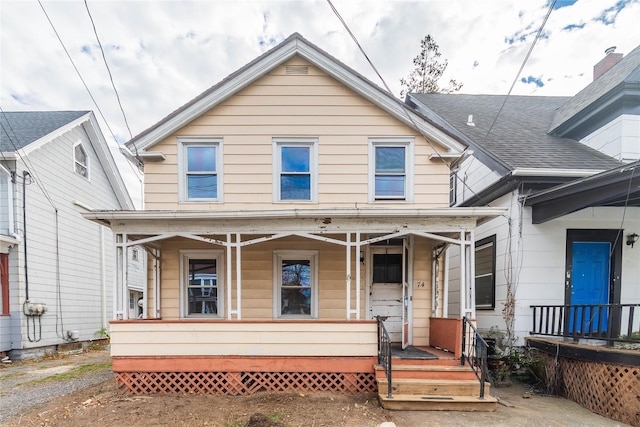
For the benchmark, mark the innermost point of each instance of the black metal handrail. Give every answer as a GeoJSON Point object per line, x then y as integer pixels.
{"type": "Point", "coordinates": [474, 352]}
{"type": "Point", "coordinates": [605, 322]}
{"type": "Point", "coordinates": [384, 353]}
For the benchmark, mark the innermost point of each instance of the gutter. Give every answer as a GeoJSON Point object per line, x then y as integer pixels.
{"type": "Point", "coordinates": [560, 173]}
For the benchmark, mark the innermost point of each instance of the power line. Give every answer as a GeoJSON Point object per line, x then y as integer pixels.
{"type": "Point", "coordinates": [113, 85]}
{"type": "Point", "coordinates": [526, 58]}
{"type": "Point", "coordinates": [402, 105]}
{"type": "Point", "coordinates": [77, 71]}
{"type": "Point", "coordinates": [25, 160]}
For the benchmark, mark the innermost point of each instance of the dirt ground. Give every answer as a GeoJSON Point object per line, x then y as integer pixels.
{"type": "Point", "coordinates": [105, 405]}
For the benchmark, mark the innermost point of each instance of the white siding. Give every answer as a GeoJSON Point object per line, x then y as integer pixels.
{"type": "Point", "coordinates": [472, 177]}
{"type": "Point", "coordinates": [619, 138]}
{"type": "Point", "coordinates": [538, 254]}
{"type": "Point", "coordinates": [70, 271]}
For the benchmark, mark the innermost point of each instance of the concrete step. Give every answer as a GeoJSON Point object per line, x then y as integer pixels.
{"type": "Point", "coordinates": [433, 387]}
{"type": "Point", "coordinates": [410, 402]}
{"type": "Point", "coordinates": [443, 372]}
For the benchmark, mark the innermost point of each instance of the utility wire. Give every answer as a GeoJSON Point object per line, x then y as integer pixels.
{"type": "Point", "coordinates": [113, 85]}
{"type": "Point", "coordinates": [25, 160]}
{"type": "Point", "coordinates": [404, 106]}
{"type": "Point", "coordinates": [77, 71]}
{"type": "Point", "coordinates": [526, 58]}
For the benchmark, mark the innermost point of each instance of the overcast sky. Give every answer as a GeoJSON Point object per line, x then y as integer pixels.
{"type": "Point", "coordinates": [164, 53]}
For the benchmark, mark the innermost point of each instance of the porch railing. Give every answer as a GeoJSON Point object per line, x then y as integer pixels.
{"type": "Point", "coordinates": [605, 322]}
{"type": "Point", "coordinates": [384, 353]}
{"type": "Point", "coordinates": [474, 352]}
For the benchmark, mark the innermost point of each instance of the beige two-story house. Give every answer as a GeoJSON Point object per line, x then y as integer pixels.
{"type": "Point", "coordinates": [285, 209]}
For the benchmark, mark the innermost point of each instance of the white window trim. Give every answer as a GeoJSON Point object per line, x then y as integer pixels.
{"type": "Point", "coordinates": [185, 256]}
{"type": "Point", "coordinates": [183, 143]}
{"type": "Point", "coordinates": [280, 255]}
{"type": "Point", "coordinates": [313, 166]}
{"type": "Point", "coordinates": [408, 143]}
{"type": "Point", "coordinates": [87, 166]}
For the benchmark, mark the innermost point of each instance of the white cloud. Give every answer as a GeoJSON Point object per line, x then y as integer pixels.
{"type": "Point", "coordinates": [162, 54]}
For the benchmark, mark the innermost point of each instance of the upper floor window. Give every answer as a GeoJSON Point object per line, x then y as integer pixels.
{"type": "Point", "coordinates": [485, 273]}
{"type": "Point", "coordinates": [80, 160]}
{"type": "Point", "coordinates": [200, 164]}
{"type": "Point", "coordinates": [295, 169]}
{"type": "Point", "coordinates": [391, 169]}
{"type": "Point", "coordinates": [453, 188]}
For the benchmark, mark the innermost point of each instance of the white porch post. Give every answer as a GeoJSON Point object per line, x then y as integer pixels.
{"type": "Point", "coordinates": [472, 275]}
{"type": "Point", "coordinates": [238, 278]}
{"type": "Point", "coordinates": [463, 275]}
{"type": "Point", "coordinates": [120, 305]}
{"type": "Point", "coordinates": [155, 254]}
{"type": "Point", "coordinates": [348, 280]}
{"type": "Point", "coordinates": [445, 284]}
{"type": "Point", "coordinates": [358, 276]}
{"type": "Point", "coordinates": [228, 275]}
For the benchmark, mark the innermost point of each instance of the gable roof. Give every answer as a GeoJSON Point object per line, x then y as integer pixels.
{"type": "Point", "coordinates": [21, 128]}
{"type": "Point", "coordinates": [518, 139]}
{"type": "Point", "coordinates": [28, 130]}
{"type": "Point", "coordinates": [621, 80]}
{"type": "Point", "coordinates": [292, 46]}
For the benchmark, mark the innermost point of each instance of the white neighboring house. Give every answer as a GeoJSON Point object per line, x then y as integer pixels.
{"type": "Point", "coordinates": [56, 268]}
{"type": "Point", "coordinates": [567, 170]}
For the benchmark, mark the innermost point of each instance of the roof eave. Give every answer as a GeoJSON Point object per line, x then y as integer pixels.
{"type": "Point", "coordinates": [267, 62]}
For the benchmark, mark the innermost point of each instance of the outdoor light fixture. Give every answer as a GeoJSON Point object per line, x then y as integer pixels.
{"type": "Point", "coordinates": [361, 257]}
{"type": "Point", "coordinates": [632, 239]}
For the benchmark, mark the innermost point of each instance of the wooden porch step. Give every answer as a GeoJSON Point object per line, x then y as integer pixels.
{"type": "Point", "coordinates": [410, 402]}
{"type": "Point", "coordinates": [433, 387]}
{"type": "Point", "coordinates": [443, 372]}
{"type": "Point", "coordinates": [436, 362]}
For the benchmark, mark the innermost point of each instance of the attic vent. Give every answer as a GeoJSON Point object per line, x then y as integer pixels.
{"type": "Point", "coordinates": [296, 69]}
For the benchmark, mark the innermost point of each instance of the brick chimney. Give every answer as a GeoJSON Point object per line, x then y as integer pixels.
{"type": "Point", "coordinates": [611, 58]}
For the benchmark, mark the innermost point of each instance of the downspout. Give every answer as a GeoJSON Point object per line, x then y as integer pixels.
{"type": "Point", "coordinates": [103, 278]}
{"type": "Point", "coordinates": [24, 232]}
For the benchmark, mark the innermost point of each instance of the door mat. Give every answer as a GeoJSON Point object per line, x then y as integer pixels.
{"type": "Point", "coordinates": [412, 353]}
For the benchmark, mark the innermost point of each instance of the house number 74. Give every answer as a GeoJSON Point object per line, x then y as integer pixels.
{"type": "Point", "coordinates": [419, 284]}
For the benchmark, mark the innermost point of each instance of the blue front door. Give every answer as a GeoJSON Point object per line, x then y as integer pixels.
{"type": "Point", "coordinates": [590, 284]}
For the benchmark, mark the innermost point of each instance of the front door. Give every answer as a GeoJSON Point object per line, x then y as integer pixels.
{"type": "Point", "coordinates": [386, 290]}
{"type": "Point", "coordinates": [591, 278]}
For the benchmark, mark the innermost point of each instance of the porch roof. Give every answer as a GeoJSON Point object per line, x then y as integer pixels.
{"type": "Point", "coordinates": [338, 220]}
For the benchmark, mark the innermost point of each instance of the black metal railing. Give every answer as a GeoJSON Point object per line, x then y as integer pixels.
{"type": "Point", "coordinates": [384, 353]}
{"type": "Point", "coordinates": [605, 322]}
{"type": "Point", "coordinates": [474, 352]}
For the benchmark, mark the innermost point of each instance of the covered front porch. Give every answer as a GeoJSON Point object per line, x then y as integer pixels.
{"type": "Point", "coordinates": [327, 341]}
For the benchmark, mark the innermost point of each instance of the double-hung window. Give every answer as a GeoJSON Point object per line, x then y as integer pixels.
{"type": "Point", "coordinates": [200, 164]}
{"type": "Point", "coordinates": [485, 274]}
{"type": "Point", "coordinates": [295, 170]}
{"type": "Point", "coordinates": [295, 284]}
{"type": "Point", "coordinates": [80, 160]}
{"type": "Point", "coordinates": [202, 283]}
{"type": "Point", "coordinates": [391, 169]}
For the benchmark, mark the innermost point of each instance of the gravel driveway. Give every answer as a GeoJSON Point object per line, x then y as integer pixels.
{"type": "Point", "coordinates": [27, 384]}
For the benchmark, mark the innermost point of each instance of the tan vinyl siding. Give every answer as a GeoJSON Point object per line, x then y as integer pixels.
{"type": "Point", "coordinates": [280, 105]}
{"type": "Point", "coordinates": [243, 338]}
{"type": "Point", "coordinates": [257, 277]}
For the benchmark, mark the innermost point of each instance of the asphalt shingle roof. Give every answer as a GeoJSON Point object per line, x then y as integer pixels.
{"type": "Point", "coordinates": [519, 136]}
{"type": "Point", "coordinates": [625, 71]}
{"type": "Point", "coordinates": [20, 129]}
